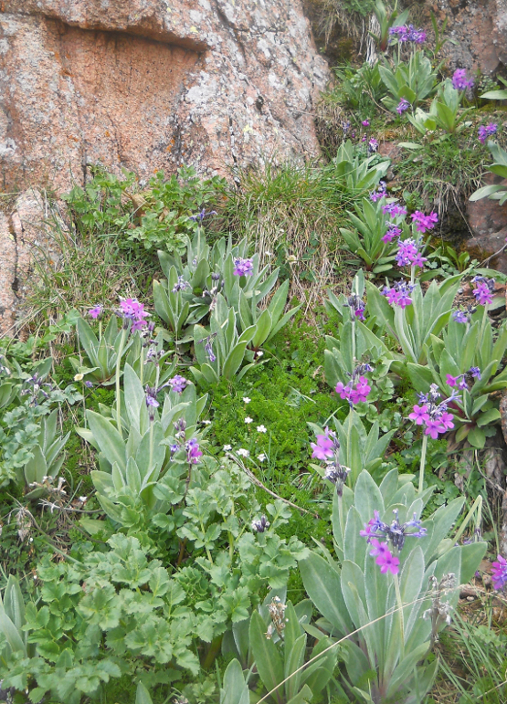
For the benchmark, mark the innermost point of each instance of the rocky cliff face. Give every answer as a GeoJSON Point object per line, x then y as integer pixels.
{"type": "Point", "coordinates": [149, 84]}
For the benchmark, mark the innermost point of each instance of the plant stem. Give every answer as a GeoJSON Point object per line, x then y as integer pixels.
{"type": "Point", "coordinates": [118, 365]}
{"type": "Point", "coordinates": [423, 463]}
{"type": "Point", "coordinates": [402, 619]}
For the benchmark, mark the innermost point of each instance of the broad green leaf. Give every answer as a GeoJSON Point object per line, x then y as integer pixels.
{"type": "Point", "coordinates": [265, 653]}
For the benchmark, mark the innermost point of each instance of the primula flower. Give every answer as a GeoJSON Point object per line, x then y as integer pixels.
{"type": "Point", "coordinates": [372, 146]}
{"type": "Point", "coordinates": [391, 232]}
{"type": "Point", "coordinates": [483, 294]}
{"type": "Point", "coordinates": [379, 193]}
{"type": "Point", "coordinates": [261, 524]}
{"type": "Point", "coordinates": [433, 415]}
{"type": "Point", "coordinates": [177, 383]}
{"type": "Point", "coordinates": [451, 380]}
{"type": "Point", "coordinates": [403, 105]}
{"type": "Point", "coordinates": [365, 123]}
{"type": "Point", "coordinates": [131, 309]}
{"type": "Point", "coordinates": [408, 254]}
{"type": "Point", "coordinates": [323, 448]}
{"type": "Point", "coordinates": [394, 210]}
{"type": "Point", "coordinates": [356, 305]}
{"type": "Point", "coordinates": [180, 285]}
{"type": "Point", "coordinates": [459, 316]}
{"type": "Point", "coordinates": [420, 415]}
{"type": "Point", "coordinates": [357, 390]}
{"type": "Point", "coordinates": [398, 294]}
{"type": "Point", "coordinates": [486, 130]}
{"type": "Point", "coordinates": [499, 573]}
{"type": "Point", "coordinates": [95, 312]}
{"type": "Point", "coordinates": [388, 563]}
{"type": "Point", "coordinates": [424, 222]}
{"type": "Point", "coordinates": [460, 81]}
{"type": "Point", "coordinates": [243, 267]}
{"type": "Point", "coordinates": [193, 452]}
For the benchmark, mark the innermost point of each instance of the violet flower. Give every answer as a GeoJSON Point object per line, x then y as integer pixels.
{"type": "Point", "coordinates": [261, 524]}
{"type": "Point", "coordinates": [460, 81]}
{"type": "Point", "coordinates": [357, 306]}
{"type": "Point", "coordinates": [358, 388]}
{"type": "Point", "coordinates": [327, 447]}
{"type": "Point", "coordinates": [393, 210]}
{"type": "Point", "coordinates": [180, 285]}
{"type": "Point", "coordinates": [487, 130]}
{"type": "Point", "coordinates": [398, 294]}
{"type": "Point", "coordinates": [424, 222]}
{"type": "Point", "coordinates": [483, 291]}
{"type": "Point", "coordinates": [408, 253]}
{"type": "Point", "coordinates": [499, 573]}
{"type": "Point", "coordinates": [372, 146]}
{"type": "Point", "coordinates": [403, 105]}
{"type": "Point", "coordinates": [96, 311]}
{"type": "Point", "coordinates": [391, 232]}
{"type": "Point", "coordinates": [243, 267]}
{"type": "Point", "coordinates": [131, 309]}
{"type": "Point", "coordinates": [193, 452]}
{"type": "Point", "coordinates": [177, 383]}
{"type": "Point", "coordinates": [434, 416]}
{"type": "Point", "coordinates": [323, 448]}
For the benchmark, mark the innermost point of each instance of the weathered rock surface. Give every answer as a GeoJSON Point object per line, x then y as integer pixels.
{"type": "Point", "coordinates": [150, 84]}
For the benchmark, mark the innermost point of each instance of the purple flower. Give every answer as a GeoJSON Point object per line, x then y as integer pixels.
{"type": "Point", "coordinates": [95, 312]}
{"type": "Point", "coordinates": [177, 383]}
{"type": "Point", "coordinates": [203, 214]}
{"type": "Point", "coordinates": [486, 130]}
{"type": "Point", "coordinates": [208, 346]}
{"type": "Point", "coordinates": [323, 448]}
{"type": "Point", "coordinates": [393, 210]}
{"type": "Point", "coordinates": [365, 123]}
{"type": "Point", "coordinates": [398, 294]}
{"type": "Point", "coordinates": [261, 524]}
{"type": "Point", "coordinates": [356, 305]}
{"type": "Point", "coordinates": [483, 294]}
{"type": "Point", "coordinates": [391, 232]}
{"type": "Point", "coordinates": [459, 316]}
{"type": "Point", "coordinates": [243, 267]}
{"type": "Point", "coordinates": [394, 535]}
{"type": "Point", "coordinates": [357, 390]}
{"type": "Point", "coordinates": [434, 416]}
{"type": "Point", "coordinates": [89, 384]}
{"type": "Point", "coordinates": [388, 563]}
{"type": "Point", "coordinates": [379, 193]}
{"type": "Point", "coordinates": [372, 146]}
{"type": "Point", "coordinates": [451, 380]}
{"type": "Point", "coordinates": [180, 285]}
{"type": "Point", "coordinates": [424, 222]}
{"type": "Point", "coordinates": [400, 32]}
{"type": "Point", "coordinates": [402, 106]}
{"type": "Point", "coordinates": [420, 415]}
{"type": "Point", "coordinates": [499, 572]}
{"type": "Point", "coordinates": [418, 36]}
{"type": "Point", "coordinates": [131, 309]}
{"type": "Point", "coordinates": [408, 254]}
{"type": "Point", "coordinates": [151, 400]}
{"type": "Point", "coordinates": [460, 81]}
{"type": "Point", "coordinates": [193, 452]}
{"type": "Point", "coordinates": [475, 372]}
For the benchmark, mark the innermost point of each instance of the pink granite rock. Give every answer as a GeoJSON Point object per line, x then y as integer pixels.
{"type": "Point", "coordinates": [147, 85]}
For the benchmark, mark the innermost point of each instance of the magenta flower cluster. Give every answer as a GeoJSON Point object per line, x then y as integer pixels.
{"type": "Point", "coordinates": [461, 380]}
{"type": "Point", "coordinates": [177, 383]}
{"type": "Point", "coordinates": [379, 193]}
{"type": "Point", "coordinates": [354, 392]}
{"type": "Point", "coordinates": [486, 131]}
{"type": "Point", "coordinates": [424, 222]}
{"type": "Point", "coordinates": [243, 267]}
{"type": "Point", "coordinates": [432, 415]}
{"type": "Point", "coordinates": [327, 449]}
{"type": "Point", "coordinates": [483, 290]}
{"type": "Point", "coordinates": [394, 210]}
{"type": "Point", "coordinates": [95, 312]}
{"type": "Point", "coordinates": [391, 232]}
{"type": "Point", "coordinates": [398, 294]}
{"type": "Point", "coordinates": [131, 309]}
{"type": "Point", "coordinates": [499, 573]}
{"type": "Point", "coordinates": [408, 254]}
{"type": "Point", "coordinates": [460, 81]}
{"type": "Point", "coordinates": [394, 536]}
{"type": "Point", "coordinates": [407, 34]}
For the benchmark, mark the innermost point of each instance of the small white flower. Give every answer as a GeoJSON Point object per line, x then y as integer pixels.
{"type": "Point", "coordinates": [248, 420]}
{"type": "Point", "coordinates": [268, 254]}
{"type": "Point", "coordinates": [83, 499]}
{"type": "Point", "coordinates": [246, 399]}
{"type": "Point", "coordinates": [243, 453]}
{"type": "Point", "coordinates": [227, 447]}
{"type": "Point", "coordinates": [260, 353]}
{"type": "Point", "coordinates": [78, 377]}
{"type": "Point", "coordinates": [261, 457]}
{"type": "Point", "coordinates": [206, 422]}
{"type": "Point", "coordinates": [262, 429]}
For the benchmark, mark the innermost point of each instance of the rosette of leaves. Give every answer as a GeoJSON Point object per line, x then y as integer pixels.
{"type": "Point", "coordinates": [276, 655]}
{"type": "Point", "coordinates": [461, 347]}
{"type": "Point", "coordinates": [384, 640]}
{"type": "Point", "coordinates": [141, 477]}
{"type": "Point", "coordinates": [365, 241]}
{"type": "Point", "coordinates": [207, 273]}
{"type": "Point", "coordinates": [414, 80]}
{"type": "Point", "coordinates": [412, 326]}
{"type": "Point", "coordinates": [445, 111]}
{"type": "Point", "coordinates": [47, 457]}
{"type": "Point", "coordinates": [356, 173]}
